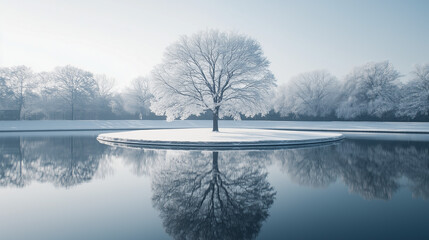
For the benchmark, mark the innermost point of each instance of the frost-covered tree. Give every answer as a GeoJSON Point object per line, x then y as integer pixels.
{"type": "Point", "coordinates": [225, 73]}
{"type": "Point", "coordinates": [138, 96]}
{"type": "Point", "coordinates": [19, 83]}
{"type": "Point", "coordinates": [309, 94]}
{"type": "Point", "coordinates": [416, 94]}
{"type": "Point", "coordinates": [75, 86]}
{"type": "Point", "coordinates": [369, 90]}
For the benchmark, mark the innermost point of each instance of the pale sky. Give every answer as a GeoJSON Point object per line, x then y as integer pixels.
{"type": "Point", "coordinates": [125, 39]}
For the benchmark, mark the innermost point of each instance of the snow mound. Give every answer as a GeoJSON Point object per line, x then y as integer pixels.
{"type": "Point", "coordinates": [227, 137]}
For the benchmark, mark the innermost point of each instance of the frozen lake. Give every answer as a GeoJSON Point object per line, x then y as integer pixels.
{"type": "Point", "coordinates": [66, 185]}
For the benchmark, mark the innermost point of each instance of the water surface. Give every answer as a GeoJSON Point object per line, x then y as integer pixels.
{"type": "Point", "coordinates": [69, 186]}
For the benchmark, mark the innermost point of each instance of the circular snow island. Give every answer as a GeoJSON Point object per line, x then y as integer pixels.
{"type": "Point", "coordinates": [201, 138]}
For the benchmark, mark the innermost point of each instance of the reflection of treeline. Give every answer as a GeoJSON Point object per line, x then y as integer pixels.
{"type": "Point", "coordinates": [63, 161]}
{"type": "Point", "coordinates": [371, 169]}
{"type": "Point", "coordinates": [218, 195]}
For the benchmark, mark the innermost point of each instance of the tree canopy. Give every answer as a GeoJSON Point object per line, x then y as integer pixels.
{"type": "Point", "coordinates": [416, 94]}
{"type": "Point", "coordinates": [225, 73]}
{"type": "Point", "coordinates": [370, 90]}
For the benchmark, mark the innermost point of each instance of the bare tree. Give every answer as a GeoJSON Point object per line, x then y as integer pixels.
{"type": "Point", "coordinates": [283, 101]}
{"type": "Point", "coordinates": [19, 82]}
{"type": "Point", "coordinates": [369, 90]}
{"type": "Point", "coordinates": [310, 94]}
{"type": "Point", "coordinates": [416, 94]}
{"type": "Point", "coordinates": [50, 100]}
{"type": "Point", "coordinates": [105, 86]}
{"type": "Point", "coordinates": [74, 86]}
{"type": "Point", "coordinates": [5, 93]}
{"type": "Point", "coordinates": [138, 96]}
{"type": "Point", "coordinates": [103, 102]}
{"type": "Point", "coordinates": [225, 73]}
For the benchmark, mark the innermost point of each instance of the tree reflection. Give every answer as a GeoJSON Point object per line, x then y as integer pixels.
{"type": "Point", "coordinates": [371, 169]}
{"type": "Point", "coordinates": [78, 162]}
{"type": "Point", "coordinates": [64, 161]}
{"type": "Point", "coordinates": [416, 168]}
{"type": "Point", "coordinates": [140, 161]}
{"type": "Point", "coordinates": [11, 163]}
{"type": "Point", "coordinates": [310, 166]}
{"type": "Point", "coordinates": [222, 196]}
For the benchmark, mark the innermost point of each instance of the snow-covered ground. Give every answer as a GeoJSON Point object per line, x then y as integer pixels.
{"type": "Point", "coordinates": [228, 137]}
{"type": "Point", "coordinates": [86, 125]}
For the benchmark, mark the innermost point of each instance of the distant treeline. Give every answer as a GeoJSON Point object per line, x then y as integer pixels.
{"type": "Point", "coordinates": [70, 93]}
{"type": "Point", "coordinates": [370, 92]}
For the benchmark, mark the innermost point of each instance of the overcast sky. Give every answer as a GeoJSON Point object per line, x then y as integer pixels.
{"type": "Point", "coordinates": [125, 39]}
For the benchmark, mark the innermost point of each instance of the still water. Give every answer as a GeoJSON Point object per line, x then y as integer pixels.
{"type": "Point", "coordinates": [69, 186]}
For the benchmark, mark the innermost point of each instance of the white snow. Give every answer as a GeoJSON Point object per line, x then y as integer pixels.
{"type": "Point", "coordinates": [225, 137]}
{"type": "Point", "coordinates": [68, 125]}
{"type": "Point", "coordinates": [227, 134]}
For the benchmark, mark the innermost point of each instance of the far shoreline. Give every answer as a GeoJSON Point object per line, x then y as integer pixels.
{"type": "Point", "coordinates": [119, 125]}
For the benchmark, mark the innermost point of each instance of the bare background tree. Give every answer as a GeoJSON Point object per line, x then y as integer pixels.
{"type": "Point", "coordinates": [225, 73]}
{"type": "Point", "coordinates": [105, 86]}
{"type": "Point", "coordinates": [19, 83]}
{"type": "Point", "coordinates": [138, 96]}
{"type": "Point", "coordinates": [312, 94]}
{"type": "Point", "coordinates": [4, 94]}
{"type": "Point", "coordinates": [75, 86]}
{"type": "Point", "coordinates": [103, 99]}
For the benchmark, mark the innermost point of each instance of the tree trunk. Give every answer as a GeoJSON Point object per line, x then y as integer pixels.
{"type": "Point", "coordinates": [215, 166]}
{"type": "Point", "coordinates": [216, 120]}
{"type": "Point", "coordinates": [21, 98]}
{"type": "Point", "coordinates": [19, 112]}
